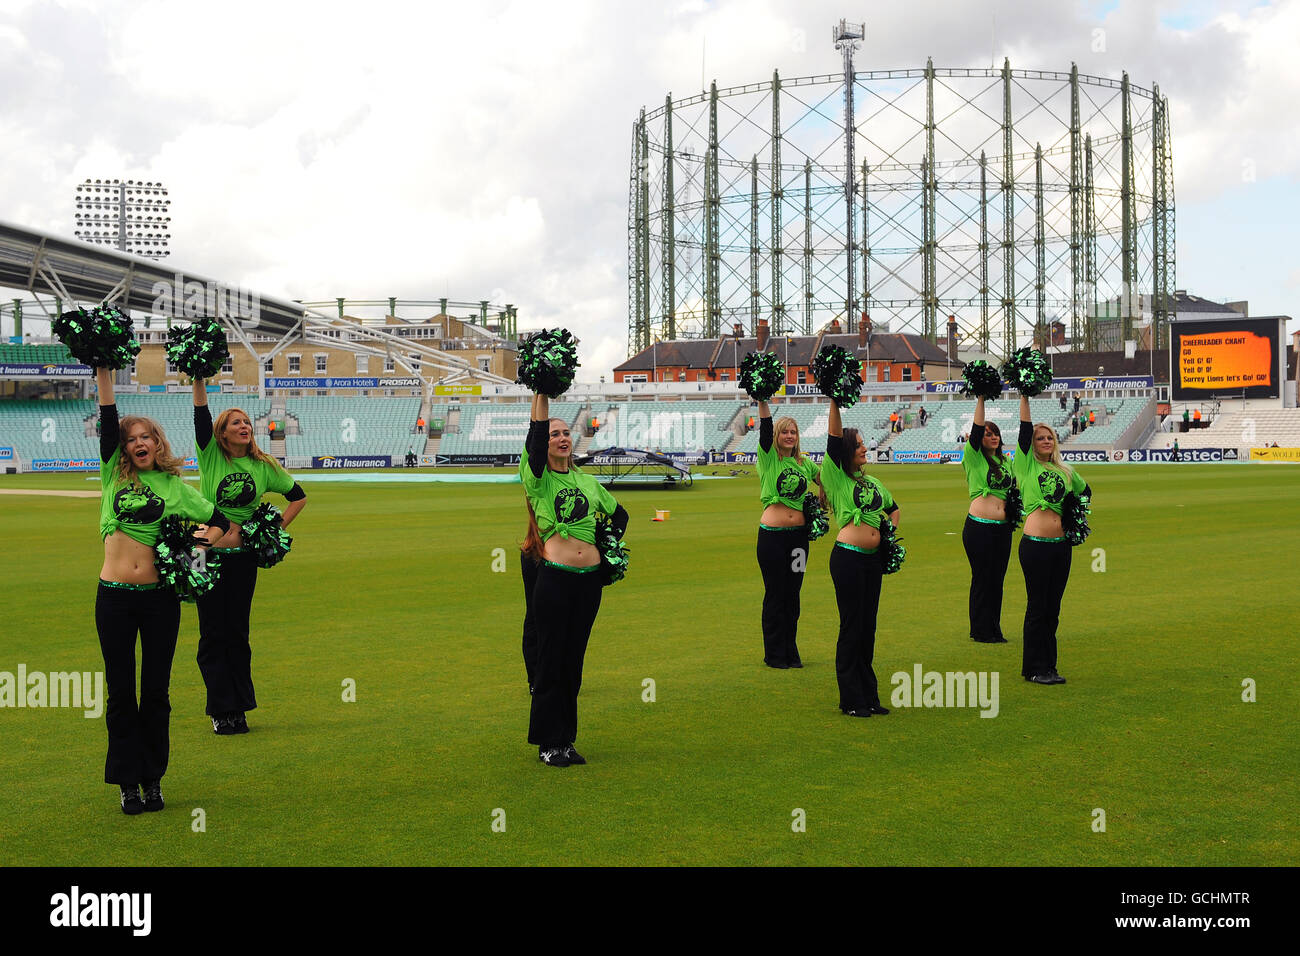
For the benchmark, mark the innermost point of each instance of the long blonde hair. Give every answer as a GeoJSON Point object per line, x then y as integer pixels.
{"type": "Point", "coordinates": [1056, 461]}
{"type": "Point", "coordinates": [777, 426]}
{"type": "Point", "coordinates": [163, 459]}
{"type": "Point", "coordinates": [219, 433]}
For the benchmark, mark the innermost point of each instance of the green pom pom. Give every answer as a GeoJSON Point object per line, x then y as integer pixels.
{"type": "Point", "coordinates": [183, 565]}
{"type": "Point", "coordinates": [1075, 510]}
{"type": "Point", "coordinates": [1027, 372]}
{"type": "Point", "coordinates": [815, 517]}
{"type": "Point", "coordinates": [613, 553]}
{"type": "Point", "coordinates": [101, 337]}
{"type": "Point", "coordinates": [981, 380]}
{"type": "Point", "coordinates": [264, 536]}
{"type": "Point", "coordinates": [547, 362]}
{"type": "Point", "coordinates": [838, 375]}
{"type": "Point", "coordinates": [198, 349]}
{"type": "Point", "coordinates": [761, 375]}
{"type": "Point", "coordinates": [892, 552]}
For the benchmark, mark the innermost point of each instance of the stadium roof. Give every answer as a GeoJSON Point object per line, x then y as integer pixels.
{"type": "Point", "coordinates": [794, 351]}
{"type": "Point", "coordinates": [76, 271]}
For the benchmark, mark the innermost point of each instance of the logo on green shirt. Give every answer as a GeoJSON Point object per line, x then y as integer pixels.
{"type": "Point", "coordinates": [236, 490]}
{"type": "Point", "coordinates": [791, 485]}
{"type": "Point", "coordinates": [867, 497]}
{"type": "Point", "coordinates": [570, 506]}
{"type": "Point", "coordinates": [999, 479]}
{"type": "Point", "coordinates": [1052, 486]}
{"type": "Point", "coordinates": [138, 506]}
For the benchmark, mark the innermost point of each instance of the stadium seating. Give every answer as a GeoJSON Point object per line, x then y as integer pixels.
{"type": "Point", "coordinates": [497, 429]}
{"type": "Point", "coordinates": [684, 426]}
{"type": "Point", "coordinates": [870, 418]}
{"type": "Point", "coordinates": [36, 355]}
{"type": "Point", "coordinates": [48, 429]}
{"type": "Point", "coordinates": [334, 425]}
{"type": "Point", "coordinates": [949, 420]}
{"type": "Point", "coordinates": [175, 413]}
{"type": "Point", "coordinates": [1239, 429]}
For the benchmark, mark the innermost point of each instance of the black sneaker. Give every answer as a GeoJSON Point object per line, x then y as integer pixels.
{"type": "Point", "coordinates": [1055, 677]}
{"type": "Point", "coordinates": [239, 722]}
{"type": "Point", "coordinates": [1042, 679]}
{"type": "Point", "coordinates": [877, 709]}
{"type": "Point", "coordinates": [553, 756]}
{"type": "Point", "coordinates": [153, 798]}
{"type": "Point", "coordinates": [223, 725]}
{"type": "Point", "coordinates": [131, 802]}
{"type": "Point", "coordinates": [864, 712]}
{"type": "Point", "coordinates": [573, 756]}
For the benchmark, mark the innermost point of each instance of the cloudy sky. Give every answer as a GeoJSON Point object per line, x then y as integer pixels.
{"type": "Point", "coordinates": [315, 150]}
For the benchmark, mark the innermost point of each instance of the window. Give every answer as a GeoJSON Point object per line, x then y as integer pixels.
{"type": "Point", "coordinates": [269, 366]}
{"type": "Point", "coordinates": [724, 377]}
{"type": "Point", "coordinates": [322, 361]}
{"type": "Point", "coordinates": [485, 363]}
{"type": "Point", "coordinates": [228, 366]}
{"type": "Point", "coordinates": [171, 369]}
{"type": "Point", "coordinates": [323, 392]}
{"type": "Point", "coordinates": [885, 373]}
{"type": "Point", "coordinates": [699, 376]}
{"type": "Point", "coordinates": [436, 331]}
{"type": "Point", "coordinates": [633, 378]}
{"type": "Point", "coordinates": [801, 377]}
{"type": "Point", "coordinates": [907, 373]}
{"type": "Point", "coordinates": [388, 364]}
{"type": "Point", "coordinates": [295, 365]}
{"type": "Point", "coordinates": [363, 364]}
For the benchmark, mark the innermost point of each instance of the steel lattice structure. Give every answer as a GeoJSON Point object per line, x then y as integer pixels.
{"type": "Point", "coordinates": [1008, 198]}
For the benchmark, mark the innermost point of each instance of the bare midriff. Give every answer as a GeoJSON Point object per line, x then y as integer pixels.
{"type": "Point", "coordinates": [988, 507]}
{"type": "Point", "coordinates": [127, 561]}
{"type": "Point", "coordinates": [570, 551]}
{"type": "Point", "coordinates": [861, 535]}
{"type": "Point", "coordinates": [1044, 523]}
{"type": "Point", "coordinates": [777, 515]}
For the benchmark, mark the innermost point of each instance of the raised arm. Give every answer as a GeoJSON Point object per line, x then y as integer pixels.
{"type": "Point", "coordinates": [834, 426]}
{"type": "Point", "coordinates": [108, 427]}
{"type": "Point", "coordinates": [541, 411]}
{"type": "Point", "coordinates": [200, 393]}
{"type": "Point", "coordinates": [1026, 425]}
{"type": "Point", "coordinates": [976, 439]}
{"type": "Point", "coordinates": [104, 379]}
{"type": "Point", "coordinates": [202, 417]}
{"type": "Point", "coordinates": [764, 426]}
{"type": "Point", "coordinates": [538, 439]}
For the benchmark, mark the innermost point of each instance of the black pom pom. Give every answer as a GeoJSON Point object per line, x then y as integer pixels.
{"type": "Point", "coordinates": [838, 375]}
{"type": "Point", "coordinates": [892, 552]}
{"type": "Point", "coordinates": [102, 337]}
{"type": "Point", "coordinates": [547, 362]}
{"type": "Point", "coordinates": [199, 349]}
{"type": "Point", "coordinates": [982, 380]}
{"type": "Point", "coordinates": [815, 517]}
{"type": "Point", "coordinates": [1027, 372]}
{"type": "Point", "coordinates": [264, 536]}
{"type": "Point", "coordinates": [183, 564]}
{"type": "Point", "coordinates": [761, 375]}
{"type": "Point", "coordinates": [1015, 507]}
{"type": "Point", "coordinates": [1074, 517]}
{"type": "Point", "coordinates": [613, 553]}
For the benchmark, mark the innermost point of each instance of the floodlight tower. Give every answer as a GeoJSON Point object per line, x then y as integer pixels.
{"type": "Point", "coordinates": [848, 37]}
{"type": "Point", "coordinates": [130, 216]}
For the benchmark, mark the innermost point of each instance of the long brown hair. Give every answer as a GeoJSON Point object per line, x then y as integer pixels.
{"type": "Point", "coordinates": [532, 544]}
{"type": "Point", "coordinates": [996, 459]}
{"type": "Point", "coordinates": [219, 433]}
{"type": "Point", "coordinates": [163, 459]}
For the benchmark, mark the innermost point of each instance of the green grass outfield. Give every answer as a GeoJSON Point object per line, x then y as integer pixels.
{"type": "Point", "coordinates": [392, 585]}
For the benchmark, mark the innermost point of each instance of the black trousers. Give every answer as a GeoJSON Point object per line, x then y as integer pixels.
{"type": "Point", "coordinates": [529, 568]}
{"type": "Point", "coordinates": [564, 608]}
{"type": "Point", "coordinates": [137, 732]}
{"type": "Point", "coordinates": [988, 549]}
{"type": "Point", "coordinates": [777, 559]}
{"type": "Point", "coordinates": [857, 592]}
{"type": "Point", "coordinates": [225, 656]}
{"type": "Point", "coordinates": [1047, 569]}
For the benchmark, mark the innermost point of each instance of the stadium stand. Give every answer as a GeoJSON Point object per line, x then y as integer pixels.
{"type": "Point", "coordinates": [175, 412]}
{"type": "Point", "coordinates": [378, 426]}
{"type": "Point", "coordinates": [36, 355]}
{"type": "Point", "coordinates": [1239, 429]}
{"type": "Point", "coordinates": [684, 426]}
{"type": "Point", "coordinates": [497, 429]}
{"type": "Point", "coordinates": [950, 418]}
{"type": "Point", "coordinates": [49, 428]}
{"type": "Point", "coordinates": [871, 418]}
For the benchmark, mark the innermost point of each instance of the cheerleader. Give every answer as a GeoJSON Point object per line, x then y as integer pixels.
{"type": "Point", "coordinates": [785, 476]}
{"type": "Point", "coordinates": [1043, 478]}
{"type": "Point", "coordinates": [140, 484]}
{"type": "Point", "coordinates": [987, 532]}
{"type": "Point", "coordinates": [234, 473]}
{"type": "Point", "coordinates": [566, 595]}
{"type": "Point", "coordinates": [860, 503]}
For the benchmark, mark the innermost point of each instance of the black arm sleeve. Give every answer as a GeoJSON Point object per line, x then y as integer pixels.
{"type": "Point", "coordinates": [890, 511]}
{"type": "Point", "coordinates": [535, 445]}
{"type": "Point", "coordinates": [295, 493]}
{"type": "Point", "coordinates": [619, 520]}
{"type": "Point", "coordinates": [1087, 489]}
{"type": "Point", "coordinates": [202, 426]}
{"type": "Point", "coordinates": [977, 436]}
{"type": "Point", "coordinates": [108, 431]}
{"type": "Point", "coordinates": [1026, 435]}
{"type": "Point", "coordinates": [218, 520]}
{"type": "Point", "coordinates": [765, 433]}
{"type": "Point", "coordinates": [835, 450]}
